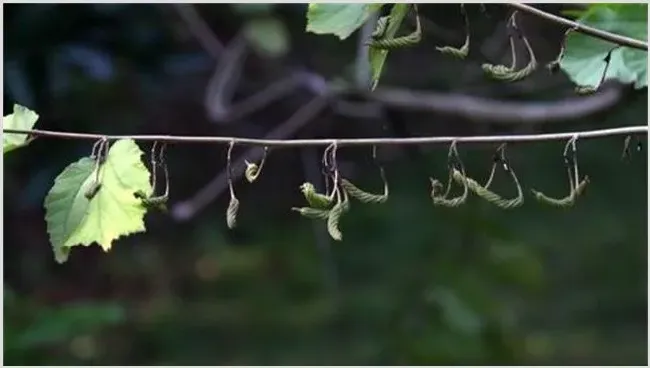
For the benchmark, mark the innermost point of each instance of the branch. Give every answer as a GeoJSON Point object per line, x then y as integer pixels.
{"type": "Point", "coordinates": [491, 110]}
{"type": "Point", "coordinates": [590, 31]}
{"type": "Point", "coordinates": [281, 143]}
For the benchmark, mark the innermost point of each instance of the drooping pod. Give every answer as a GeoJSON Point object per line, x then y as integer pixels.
{"type": "Point", "coordinates": [567, 201]}
{"type": "Point", "coordinates": [313, 213]}
{"type": "Point", "coordinates": [381, 42]}
{"type": "Point", "coordinates": [463, 51]}
{"type": "Point", "coordinates": [92, 190]}
{"type": "Point", "coordinates": [554, 65]}
{"type": "Point", "coordinates": [362, 195]}
{"type": "Point", "coordinates": [334, 217]}
{"type": "Point", "coordinates": [505, 74]}
{"type": "Point", "coordinates": [380, 28]}
{"type": "Point", "coordinates": [253, 171]}
{"type": "Point", "coordinates": [231, 212]}
{"type": "Point", "coordinates": [315, 199]}
{"type": "Point", "coordinates": [233, 205]}
{"type": "Point", "coordinates": [484, 191]}
{"type": "Point", "coordinates": [158, 202]}
{"type": "Point", "coordinates": [453, 161]}
{"type": "Point", "coordinates": [489, 195]}
{"type": "Point", "coordinates": [99, 153]}
{"type": "Point", "coordinates": [576, 186]}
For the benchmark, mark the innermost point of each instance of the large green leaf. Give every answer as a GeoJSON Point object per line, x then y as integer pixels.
{"type": "Point", "coordinates": [114, 211]}
{"type": "Point", "coordinates": [22, 118]}
{"type": "Point", "coordinates": [583, 60]}
{"type": "Point", "coordinates": [338, 19]}
{"type": "Point", "coordinates": [377, 57]}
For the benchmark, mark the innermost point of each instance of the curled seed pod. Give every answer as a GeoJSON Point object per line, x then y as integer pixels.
{"type": "Point", "coordinates": [504, 74]}
{"type": "Point", "coordinates": [252, 171]}
{"type": "Point", "coordinates": [335, 217]}
{"type": "Point", "coordinates": [363, 196]}
{"type": "Point", "coordinates": [436, 187]}
{"type": "Point", "coordinates": [442, 200]}
{"type": "Point", "coordinates": [489, 195]}
{"type": "Point", "coordinates": [496, 69]}
{"type": "Point", "coordinates": [315, 199]}
{"type": "Point", "coordinates": [567, 201]}
{"type": "Point", "coordinates": [313, 213]}
{"type": "Point", "coordinates": [158, 202]}
{"type": "Point", "coordinates": [380, 28]}
{"type": "Point", "coordinates": [460, 53]}
{"type": "Point", "coordinates": [585, 90]}
{"type": "Point", "coordinates": [99, 153]}
{"type": "Point", "coordinates": [463, 51]}
{"type": "Point", "coordinates": [397, 42]}
{"type": "Point", "coordinates": [554, 66]}
{"type": "Point", "coordinates": [400, 42]}
{"type": "Point", "coordinates": [91, 192]}
{"type": "Point", "coordinates": [231, 212]}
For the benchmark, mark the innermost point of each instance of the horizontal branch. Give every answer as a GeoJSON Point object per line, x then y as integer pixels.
{"type": "Point", "coordinates": [641, 129]}
{"type": "Point", "coordinates": [590, 31]}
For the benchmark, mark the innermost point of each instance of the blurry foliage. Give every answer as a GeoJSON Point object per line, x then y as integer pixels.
{"type": "Point", "coordinates": [411, 284]}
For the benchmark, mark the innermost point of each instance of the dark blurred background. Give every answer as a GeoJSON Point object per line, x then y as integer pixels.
{"type": "Point", "coordinates": [409, 284]}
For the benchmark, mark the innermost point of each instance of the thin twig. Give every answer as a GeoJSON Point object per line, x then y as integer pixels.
{"type": "Point", "coordinates": [590, 31]}
{"type": "Point", "coordinates": [340, 142]}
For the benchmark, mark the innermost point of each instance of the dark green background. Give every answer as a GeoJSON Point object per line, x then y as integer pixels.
{"type": "Point", "coordinates": [410, 283]}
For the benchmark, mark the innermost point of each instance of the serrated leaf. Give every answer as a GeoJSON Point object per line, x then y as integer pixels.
{"type": "Point", "coordinates": [583, 60]}
{"type": "Point", "coordinates": [377, 56]}
{"type": "Point", "coordinates": [114, 211]}
{"type": "Point", "coordinates": [22, 118]}
{"type": "Point", "coordinates": [340, 20]}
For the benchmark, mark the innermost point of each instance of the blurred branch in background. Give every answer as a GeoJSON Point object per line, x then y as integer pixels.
{"type": "Point", "coordinates": [484, 110]}
{"type": "Point", "coordinates": [200, 29]}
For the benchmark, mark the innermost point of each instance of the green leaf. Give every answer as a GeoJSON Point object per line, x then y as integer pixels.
{"type": "Point", "coordinates": [114, 211]}
{"type": "Point", "coordinates": [22, 118]}
{"type": "Point", "coordinates": [268, 36]}
{"type": "Point", "coordinates": [583, 60]}
{"type": "Point", "coordinates": [378, 57]}
{"type": "Point", "coordinates": [338, 19]}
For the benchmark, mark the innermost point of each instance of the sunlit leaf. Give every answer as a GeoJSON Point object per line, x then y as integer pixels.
{"type": "Point", "coordinates": [22, 118]}
{"type": "Point", "coordinates": [114, 211]}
